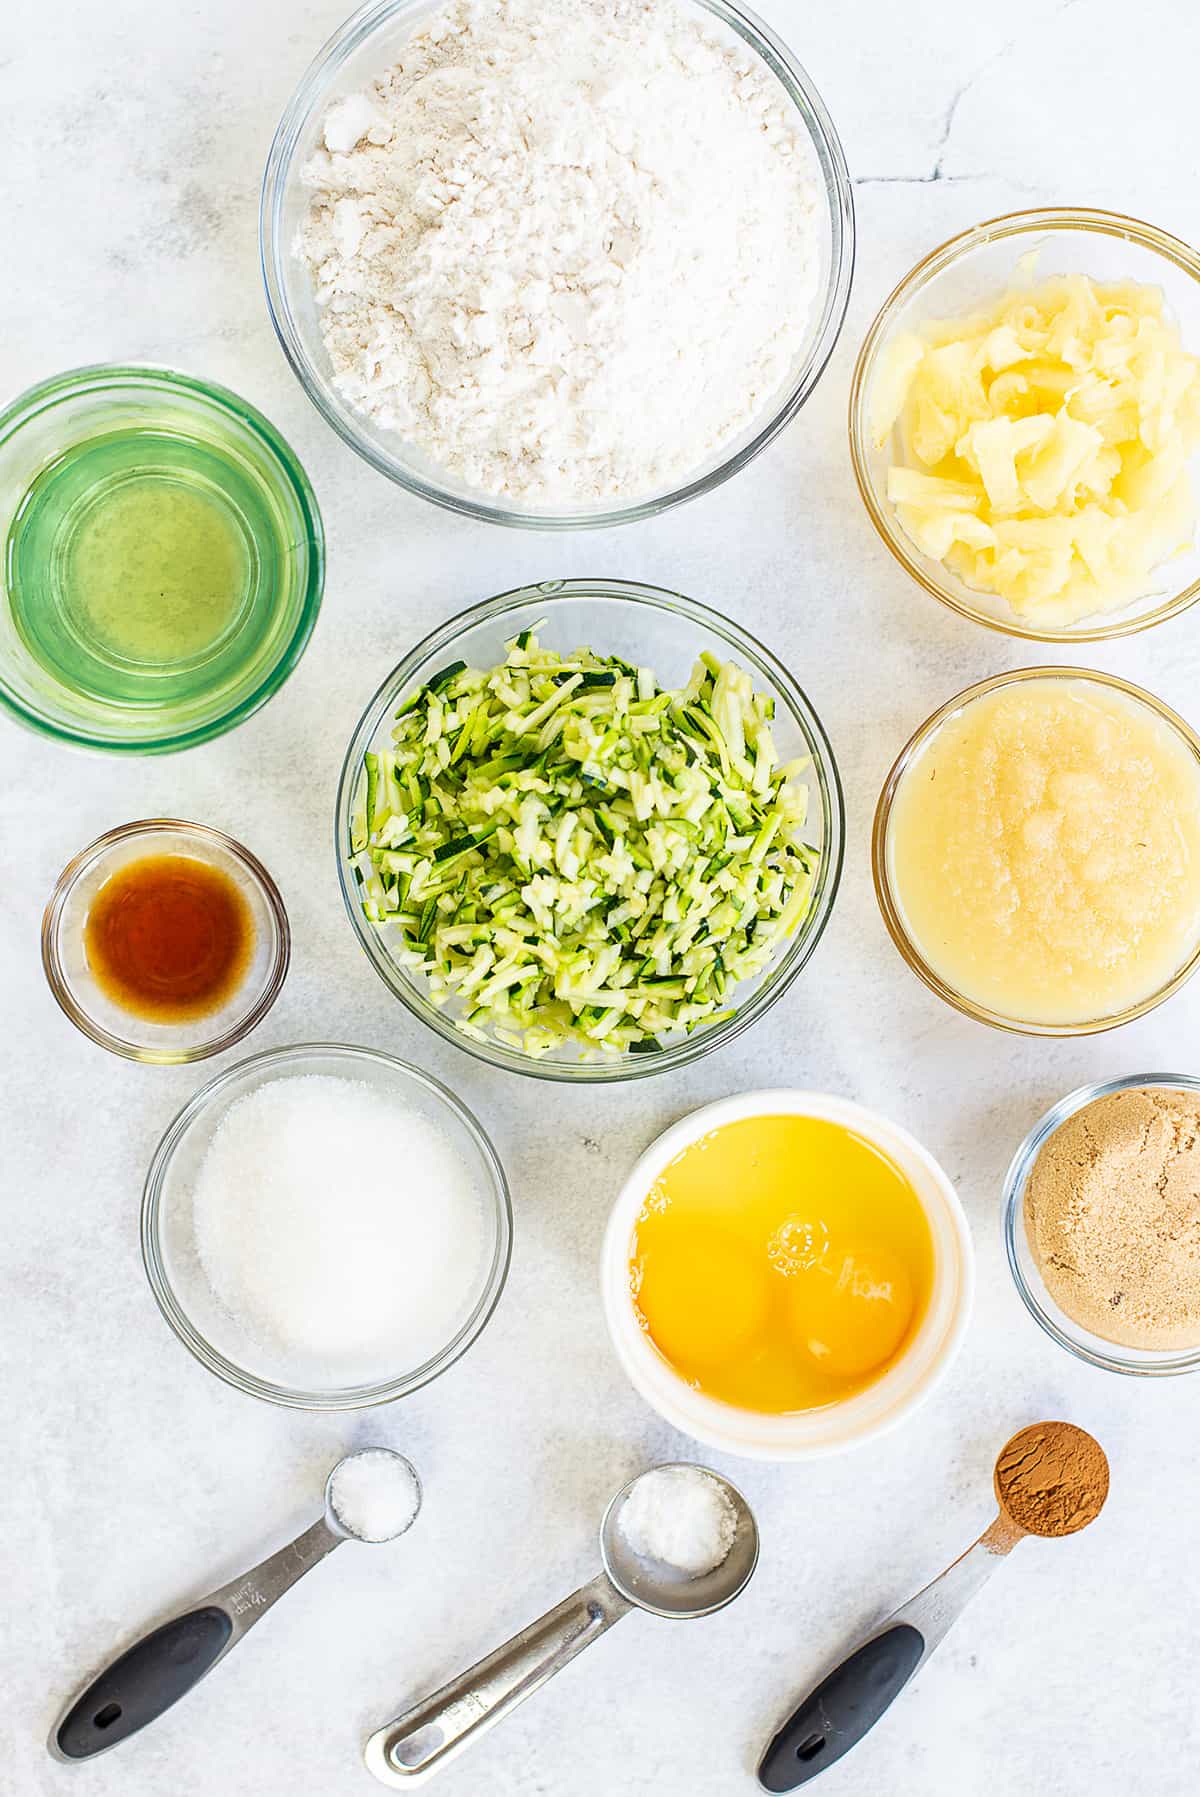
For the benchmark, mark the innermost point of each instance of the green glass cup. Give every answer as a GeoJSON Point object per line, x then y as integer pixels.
{"type": "Point", "coordinates": [164, 559]}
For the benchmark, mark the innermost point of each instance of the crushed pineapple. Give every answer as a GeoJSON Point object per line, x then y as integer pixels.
{"type": "Point", "coordinates": [1044, 444]}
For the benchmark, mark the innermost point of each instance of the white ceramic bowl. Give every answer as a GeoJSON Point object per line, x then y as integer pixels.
{"type": "Point", "coordinates": [812, 1434]}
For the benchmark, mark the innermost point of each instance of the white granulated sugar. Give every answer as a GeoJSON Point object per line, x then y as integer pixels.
{"type": "Point", "coordinates": [374, 1494]}
{"type": "Point", "coordinates": [566, 249]}
{"type": "Point", "coordinates": [681, 1516]}
{"type": "Point", "coordinates": [336, 1224]}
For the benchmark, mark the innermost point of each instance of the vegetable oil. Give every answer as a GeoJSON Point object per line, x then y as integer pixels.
{"type": "Point", "coordinates": [134, 566]}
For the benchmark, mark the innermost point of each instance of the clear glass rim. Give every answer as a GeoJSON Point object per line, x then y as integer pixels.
{"type": "Point", "coordinates": [792, 958]}
{"type": "Point", "coordinates": [885, 892]}
{"type": "Point", "coordinates": [205, 836]}
{"type": "Point", "coordinates": [76, 382]}
{"type": "Point", "coordinates": [1110, 1357]}
{"type": "Point", "coordinates": [956, 249]}
{"type": "Point", "coordinates": [355, 1397]}
{"type": "Point", "coordinates": [274, 252]}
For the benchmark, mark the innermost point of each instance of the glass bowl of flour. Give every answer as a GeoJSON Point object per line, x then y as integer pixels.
{"type": "Point", "coordinates": [556, 263]}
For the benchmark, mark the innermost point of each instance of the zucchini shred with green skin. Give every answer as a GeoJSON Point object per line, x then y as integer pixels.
{"type": "Point", "coordinates": [573, 856]}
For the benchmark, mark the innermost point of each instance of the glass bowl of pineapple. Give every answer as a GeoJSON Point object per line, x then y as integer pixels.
{"type": "Point", "coordinates": [1025, 424]}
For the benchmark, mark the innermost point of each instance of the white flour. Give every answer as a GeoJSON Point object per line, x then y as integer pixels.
{"type": "Point", "coordinates": [567, 249]}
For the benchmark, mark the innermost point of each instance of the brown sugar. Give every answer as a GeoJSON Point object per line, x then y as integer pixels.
{"type": "Point", "coordinates": [1052, 1479]}
{"type": "Point", "coordinates": [1112, 1212]}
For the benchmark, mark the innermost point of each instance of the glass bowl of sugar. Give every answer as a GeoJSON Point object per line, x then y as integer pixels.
{"type": "Point", "coordinates": [326, 1227]}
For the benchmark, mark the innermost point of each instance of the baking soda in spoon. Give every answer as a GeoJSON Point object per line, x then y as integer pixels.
{"type": "Point", "coordinates": [372, 1496]}
{"type": "Point", "coordinates": [338, 1224]}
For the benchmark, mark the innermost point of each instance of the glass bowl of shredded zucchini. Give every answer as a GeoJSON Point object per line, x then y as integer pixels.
{"type": "Point", "coordinates": [589, 830]}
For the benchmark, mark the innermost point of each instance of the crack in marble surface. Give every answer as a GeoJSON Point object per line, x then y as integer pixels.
{"type": "Point", "coordinates": [915, 180]}
{"type": "Point", "coordinates": [941, 148]}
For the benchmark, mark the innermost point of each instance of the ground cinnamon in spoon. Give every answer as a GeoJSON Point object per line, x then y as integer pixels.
{"type": "Point", "coordinates": [1052, 1479]}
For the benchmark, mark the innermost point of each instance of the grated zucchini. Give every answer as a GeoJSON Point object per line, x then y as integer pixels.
{"type": "Point", "coordinates": [573, 855]}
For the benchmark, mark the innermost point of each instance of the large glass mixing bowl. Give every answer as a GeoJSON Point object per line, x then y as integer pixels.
{"type": "Point", "coordinates": [366, 45]}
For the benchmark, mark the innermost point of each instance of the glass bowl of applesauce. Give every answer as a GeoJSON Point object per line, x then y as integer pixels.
{"type": "Point", "coordinates": [1036, 851]}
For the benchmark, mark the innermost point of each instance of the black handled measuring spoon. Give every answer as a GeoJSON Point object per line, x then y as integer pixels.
{"type": "Point", "coordinates": [164, 1665]}
{"type": "Point", "coordinates": [851, 1699]}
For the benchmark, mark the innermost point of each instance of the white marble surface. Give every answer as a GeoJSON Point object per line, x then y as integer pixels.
{"type": "Point", "coordinates": [134, 135]}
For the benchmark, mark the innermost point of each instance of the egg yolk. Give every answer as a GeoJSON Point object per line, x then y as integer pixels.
{"type": "Point", "coordinates": [781, 1264]}
{"type": "Point", "coordinates": [851, 1311]}
{"type": "Point", "coordinates": [711, 1302]}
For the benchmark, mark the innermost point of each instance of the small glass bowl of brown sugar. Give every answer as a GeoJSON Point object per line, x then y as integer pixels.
{"type": "Point", "coordinates": [1101, 1218]}
{"type": "Point", "coordinates": [165, 941]}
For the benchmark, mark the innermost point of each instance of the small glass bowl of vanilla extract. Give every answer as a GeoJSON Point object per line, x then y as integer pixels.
{"type": "Point", "coordinates": [165, 941]}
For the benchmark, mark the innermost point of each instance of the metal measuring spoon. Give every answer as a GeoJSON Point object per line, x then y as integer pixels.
{"type": "Point", "coordinates": [164, 1665]}
{"type": "Point", "coordinates": [851, 1700]}
{"type": "Point", "coordinates": [421, 1741]}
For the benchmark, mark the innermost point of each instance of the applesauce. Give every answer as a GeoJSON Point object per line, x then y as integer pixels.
{"type": "Point", "coordinates": [1042, 849]}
